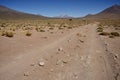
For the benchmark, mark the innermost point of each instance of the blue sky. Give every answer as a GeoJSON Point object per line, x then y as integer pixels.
{"type": "Point", "coordinates": [75, 8]}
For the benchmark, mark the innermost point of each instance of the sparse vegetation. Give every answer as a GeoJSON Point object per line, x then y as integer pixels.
{"type": "Point", "coordinates": [111, 36]}
{"type": "Point", "coordinates": [51, 28]}
{"type": "Point", "coordinates": [42, 30]}
{"type": "Point", "coordinates": [61, 28]}
{"type": "Point", "coordinates": [70, 19]}
{"type": "Point", "coordinates": [78, 34]}
{"type": "Point", "coordinates": [3, 33]}
{"type": "Point", "coordinates": [69, 27]}
{"type": "Point", "coordinates": [115, 34]}
{"type": "Point", "coordinates": [110, 23]}
{"type": "Point", "coordinates": [99, 29]}
{"type": "Point", "coordinates": [9, 34]}
{"type": "Point", "coordinates": [38, 25]}
{"type": "Point", "coordinates": [104, 33]}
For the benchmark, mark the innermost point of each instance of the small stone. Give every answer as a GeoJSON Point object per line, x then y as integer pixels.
{"type": "Point", "coordinates": [68, 55]}
{"type": "Point", "coordinates": [64, 61]}
{"type": "Point", "coordinates": [41, 64]}
{"type": "Point", "coordinates": [77, 45]}
{"type": "Point", "coordinates": [115, 56]}
{"type": "Point", "coordinates": [26, 74]}
{"type": "Point", "coordinates": [69, 40]}
{"type": "Point", "coordinates": [51, 70]}
{"type": "Point", "coordinates": [60, 49]}
{"type": "Point", "coordinates": [81, 41]}
{"type": "Point", "coordinates": [58, 62]}
{"type": "Point", "coordinates": [76, 76]}
{"type": "Point", "coordinates": [78, 34]}
{"type": "Point", "coordinates": [57, 53]}
{"type": "Point", "coordinates": [32, 64]}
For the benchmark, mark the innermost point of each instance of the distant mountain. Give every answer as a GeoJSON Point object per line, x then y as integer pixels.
{"type": "Point", "coordinates": [7, 13]}
{"type": "Point", "coordinates": [64, 16]}
{"type": "Point", "coordinates": [112, 12]}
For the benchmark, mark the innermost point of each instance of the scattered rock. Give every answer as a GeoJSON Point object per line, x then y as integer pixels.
{"type": "Point", "coordinates": [65, 61]}
{"type": "Point", "coordinates": [77, 46]}
{"type": "Point", "coordinates": [81, 41]}
{"type": "Point", "coordinates": [60, 49]}
{"type": "Point", "coordinates": [51, 70]}
{"type": "Point", "coordinates": [57, 53]}
{"type": "Point", "coordinates": [46, 59]}
{"type": "Point", "coordinates": [32, 64]}
{"type": "Point", "coordinates": [61, 62]}
{"type": "Point", "coordinates": [68, 55]}
{"type": "Point", "coordinates": [106, 44]}
{"type": "Point", "coordinates": [26, 74]}
{"type": "Point", "coordinates": [75, 75]}
{"type": "Point", "coordinates": [78, 34]}
{"type": "Point", "coordinates": [58, 62]}
{"type": "Point", "coordinates": [41, 63]}
{"type": "Point", "coordinates": [44, 37]}
{"type": "Point", "coordinates": [84, 36]}
{"type": "Point", "coordinates": [98, 51]}
{"type": "Point", "coordinates": [106, 50]}
{"type": "Point", "coordinates": [69, 40]}
{"type": "Point", "coordinates": [115, 56]}
{"type": "Point", "coordinates": [51, 56]}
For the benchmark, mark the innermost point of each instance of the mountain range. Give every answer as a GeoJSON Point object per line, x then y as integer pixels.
{"type": "Point", "coordinates": [7, 13]}
{"type": "Point", "coordinates": [112, 12]}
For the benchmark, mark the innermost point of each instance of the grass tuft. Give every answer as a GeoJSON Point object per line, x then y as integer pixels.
{"type": "Point", "coordinates": [115, 34]}
{"type": "Point", "coordinates": [104, 33]}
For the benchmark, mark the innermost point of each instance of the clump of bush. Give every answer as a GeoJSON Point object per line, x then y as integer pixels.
{"type": "Point", "coordinates": [99, 29]}
{"type": "Point", "coordinates": [39, 30]}
{"type": "Point", "coordinates": [78, 34]}
{"type": "Point", "coordinates": [104, 33]}
{"type": "Point", "coordinates": [117, 28]}
{"type": "Point", "coordinates": [42, 30]}
{"type": "Point", "coordinates": [9, 34]}
{"type": "Point", "coordinates": [115, 34]}
{"type": "Point", "coordinates": [69, 27]}
{"type": "Point", "coordinates": [61, 28]}
{"type": "Point", "coordinates": [51, 28]}
{"type": "Point", "coordinates": [111, 36]}
{"type": "Point", "coordinates": [70, 19]}
{"type": "Point", "coordinates": [28, 33]}
{"type": "Point", "coordinates": [3, 33]}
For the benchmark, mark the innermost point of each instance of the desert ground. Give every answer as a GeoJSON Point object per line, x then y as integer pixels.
{"type": "Point", "coordinates": [78, 53]}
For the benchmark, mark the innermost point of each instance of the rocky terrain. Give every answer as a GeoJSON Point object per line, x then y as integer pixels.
{"type": "Point", "coordinates": [59, 49]}
{"type": "Point", "coordinates": [77, 54]}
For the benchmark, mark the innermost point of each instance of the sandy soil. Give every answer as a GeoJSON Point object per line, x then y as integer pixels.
{"type": "Point", "coordinates": [113, 51]}
{"type": "Point", "coordinates": [76, 54]}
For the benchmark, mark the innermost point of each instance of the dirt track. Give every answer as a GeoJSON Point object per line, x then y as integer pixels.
{"type": "Point", "coordinates": [67, 56]}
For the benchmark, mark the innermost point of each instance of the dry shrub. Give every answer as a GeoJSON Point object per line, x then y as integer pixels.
{"type": "Point", "coordinates": [42, 30]}
{"type": "Point", "coordinates": [9, 34]}
{"type": "Point", "coordinates": [115, 34]}
{"type": "Point", "coordinates": [69, 27]}
{"type": "Point", "coordinates": [99, 29]}
{"type": "Point", "coordinates": [104, 33]}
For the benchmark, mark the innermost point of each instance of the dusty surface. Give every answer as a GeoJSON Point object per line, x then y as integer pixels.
{"type": "Point", "coordinates": [77, 54]}
{"type": "Point", "coordinates": [113, 51]}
